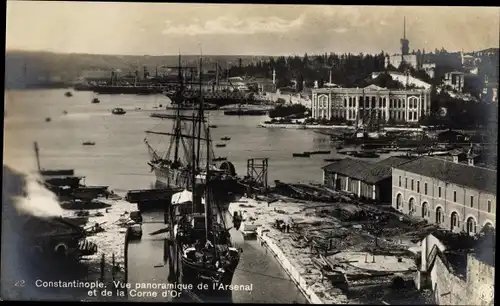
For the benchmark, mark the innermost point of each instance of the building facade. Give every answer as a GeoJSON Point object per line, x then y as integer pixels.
{"type": "Point", "coordinates": [357, 103]}
{"type": "Point", "coordinates": [366, 180]}
{"type": "Point", "coordinates": [455, 80]}
{"type": "Point", "coordinates": [458, 197]}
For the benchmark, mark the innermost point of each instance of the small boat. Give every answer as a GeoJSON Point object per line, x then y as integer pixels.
{"type": "Point", "coordinates": [212, 126]}
{"type": "Point", "coordinates": [220, 145]}
{"type": "Point", "coordinates": [95, 100]}
{"type": "Point", "coordinates": [218, 159]}
{"type": "Point", "coordinates": [383, 151]}
{"type": "Point", "coordinates": [303, 154]}
{"type": "Point", "coordinates": [118, 111]}
{"type": "Point", "coordinates": [65, 112]}
{"type": "Point", "coordinates": [320, 152]}
{"type": "Point", "coordinates": [48, 119]}
{"type": "Point", "coordinates": [68, 94]}
{"type": "Point", "coordinates": [88, 143]}
{"type": "Point", "coordinates": [225, 138]}
{"type": "Point", "coordinates": [366, 154]}
{"type": "Point", "coordinates": [332, 159]}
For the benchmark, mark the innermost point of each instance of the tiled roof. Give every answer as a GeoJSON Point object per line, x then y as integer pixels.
{"type": "Point", "coordinates": [365, 171]}
{"type": "Point", "coordinates": [464, 175]}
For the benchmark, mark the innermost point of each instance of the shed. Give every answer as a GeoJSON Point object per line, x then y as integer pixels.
{"type": "Point", "coordinates": [365, 179]}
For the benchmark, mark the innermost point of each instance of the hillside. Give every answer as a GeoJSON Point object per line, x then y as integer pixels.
{"type": "Point", "coordinates": [42, 66]}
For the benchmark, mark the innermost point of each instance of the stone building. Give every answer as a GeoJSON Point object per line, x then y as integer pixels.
{"type": "Point", "coordinates": [365, 179]}
{"type": "Point", "coordinates": [372, 101]}
{"type": "Point", "coordinates": [458, 197]}
{"type": "Point", "coordinates": [459, 270]}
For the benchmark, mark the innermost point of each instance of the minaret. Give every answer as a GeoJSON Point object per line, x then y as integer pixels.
{"type": "Point", "coordinates": [274, 77]}
{"type": "Point", "coordinates": [405, 43]}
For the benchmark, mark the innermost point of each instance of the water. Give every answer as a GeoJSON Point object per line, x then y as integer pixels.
{"type": "Point", "coordinates": [119, 160]}
{"type": "Point", "coordinates": [119, 157]}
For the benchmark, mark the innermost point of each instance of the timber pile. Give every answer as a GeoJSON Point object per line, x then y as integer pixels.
{"type": "Point", "coordinates": [305, 192]}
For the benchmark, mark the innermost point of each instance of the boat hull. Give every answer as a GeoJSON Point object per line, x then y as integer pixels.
{"type": "Point", "coordinates": [200, 278]}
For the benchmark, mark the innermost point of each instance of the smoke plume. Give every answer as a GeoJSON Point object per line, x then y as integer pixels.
{"type": "Point", "coordinates": [28, 195]}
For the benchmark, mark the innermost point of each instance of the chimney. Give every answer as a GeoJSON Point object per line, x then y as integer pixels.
{"type": "Point", "coordinates": [274, 77]}
{"type": "Point", "coordinates": [470, 156]}
{"type": "Point", "coordinates": [330, 80]}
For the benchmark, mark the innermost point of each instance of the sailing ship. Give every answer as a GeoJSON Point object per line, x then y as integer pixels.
{"type": "Point", "coordinates": [173, 167]}
{"type": "Point", "coordinates": [202, 243]}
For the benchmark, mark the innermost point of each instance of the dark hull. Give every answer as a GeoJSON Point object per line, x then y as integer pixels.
{"type": "Point", "coordinates": [132, 90]}
{"type": "Point", "coordinates": [195, 275]}
{"type": "Point", "coordinates": [245, 113]}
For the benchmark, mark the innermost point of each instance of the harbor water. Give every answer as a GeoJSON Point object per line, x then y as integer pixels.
{"type": "Point", "coordinates": [119, 159]}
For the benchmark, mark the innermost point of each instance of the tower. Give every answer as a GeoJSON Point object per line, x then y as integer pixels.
{"type": "Point", "coordinates": [405, 43]}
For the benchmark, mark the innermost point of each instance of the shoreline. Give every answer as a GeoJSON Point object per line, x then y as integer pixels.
{"type": "Point", "coordinates": [331, 127]}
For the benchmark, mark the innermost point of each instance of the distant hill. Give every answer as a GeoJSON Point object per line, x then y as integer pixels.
{"type": "Point", "coordinates": [45, 66]}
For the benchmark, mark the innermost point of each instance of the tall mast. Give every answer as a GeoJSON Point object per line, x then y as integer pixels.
{"type": "Point", "coordinates": [193, 169]}
{"type": "Point", "coordinates": [37, 157]}
{"type": "Point", "coordinates": [178, 112]}
{"type": "Point", "coordinates": [200, 119]}
{"type": "Point", "coordinates": [208, 209]}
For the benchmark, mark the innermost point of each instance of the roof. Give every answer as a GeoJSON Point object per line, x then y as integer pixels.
{"type": "Point", "coordinates": [366, 171]}
{"type": "Point", "coordinates": [464, 175]}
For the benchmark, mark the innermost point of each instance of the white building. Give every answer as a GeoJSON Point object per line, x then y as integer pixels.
{"type": "Point", "coordinates": [377, 102]}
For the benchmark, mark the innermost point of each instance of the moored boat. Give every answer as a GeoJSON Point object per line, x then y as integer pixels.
{"type": "Point", "coordinates": [118, 111]}
{"type": "Point", "coordinates": [220, 145]}
{"type": "Point", "coordinates": [303, 154]}
{"type": "Point", "coordinates": [88, 143]}
{"type": "Point", "coordinates": [225, 138]}
{"type": "Point", "coordinates": [95, 100]}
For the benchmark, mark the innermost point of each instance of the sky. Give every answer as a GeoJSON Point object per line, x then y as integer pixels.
{"type": "Point", "coordinates": [243, 29]}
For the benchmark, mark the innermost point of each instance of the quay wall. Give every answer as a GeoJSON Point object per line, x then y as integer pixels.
{"type": "Point", "coordinates": [310, 126]}
{"type": "Point", "coordinates": [290, 269]}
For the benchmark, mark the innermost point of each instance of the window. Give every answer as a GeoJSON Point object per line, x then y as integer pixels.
{"type": "Point", "coordinates": [439, 191]}
{"type": "Point", "coordinates": [425, 188]}
{"type": "Point", "coordinates": [400, 181]}
{"type": "Point", "coordinates": [410, 117]}
{"type": "Point", "coordinates": [471, 201]}
{"type": "Point", "coordinates": [454, 196]}
{"type": "Point", "coordinates": [418, 186]}
{"type": "Point", "coordinates": [411, 184]}
{"type": "Point", "coordinates": [489, 206]}
{"type": "Point", "coordinates": [406, 182]}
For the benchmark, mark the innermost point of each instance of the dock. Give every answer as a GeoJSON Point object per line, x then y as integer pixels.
{"type": "Point", "coordinates": [150, 199]}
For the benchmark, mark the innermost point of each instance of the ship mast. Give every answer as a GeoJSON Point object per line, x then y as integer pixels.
{"type": "Point", "coordinates": [200, 119]}
{"type": "Point", "coordinates": [208, 209]}
{"type": "Point", "coordinates": [178, 112]}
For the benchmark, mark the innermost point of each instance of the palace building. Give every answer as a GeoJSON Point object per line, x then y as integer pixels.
{"type": "Point", "coordinates": [381, 103]}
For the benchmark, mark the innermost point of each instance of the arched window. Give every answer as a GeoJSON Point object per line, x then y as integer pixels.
{"type": "Point", "coordinates": [345, 102]}
{"type": "Point", "coordinates": [439, 215]}
{"type": "Point", "coordinates": [471, 225]}
{"type": "Point", "coordinates": [322, 101]}
{"type": "Point", "coordinates": [399, 202]}
{"type": "Point", "coordinates": [411, 206]}
{"type": "Point", "coordinates": [454, 220]}
{"type": "Point", "coordinates": [425, 209]}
